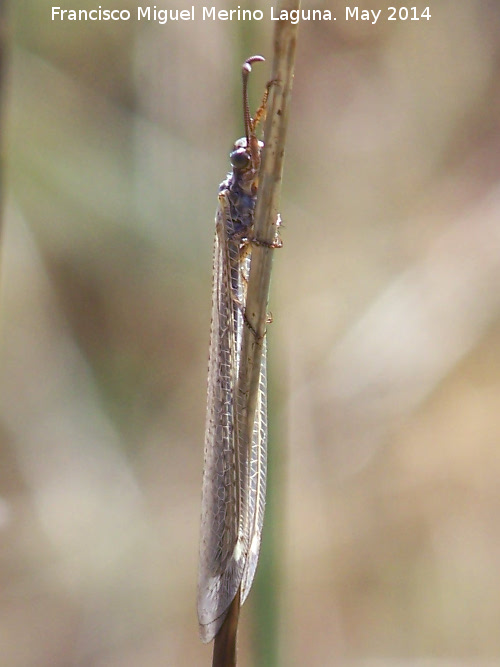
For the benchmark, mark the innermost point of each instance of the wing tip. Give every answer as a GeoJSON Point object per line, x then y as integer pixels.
{"type": "Point", "coordinates": [210, 628]}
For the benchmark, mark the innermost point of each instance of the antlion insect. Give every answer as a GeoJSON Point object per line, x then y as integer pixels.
{"type": "Point", "coordinates": [234, 479]}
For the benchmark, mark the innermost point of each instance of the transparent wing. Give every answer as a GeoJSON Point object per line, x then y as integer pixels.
{"type": "Point", "coordinates": [252, 459]}
{"type": "Point", "coordinates": [255, 502]}
{"type": "Point", "coordinates": [234, 479]}
{"type": "Point", "coordinates": [221, 561]}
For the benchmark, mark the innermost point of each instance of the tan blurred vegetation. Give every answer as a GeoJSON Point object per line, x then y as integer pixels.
{"type": "Point", "coordinates": [384, 350]}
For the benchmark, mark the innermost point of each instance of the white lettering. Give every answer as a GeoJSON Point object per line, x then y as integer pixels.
{"type": "Point", "coordinates": [164, 15]}
{"type": "Point", "coordinates": [152, 13]}
{"type": "Point", "coordinates": [209, 13]}
{"type": "Point", "coordinates": [296, 15]}
{"type": "Point", "coordinates": [232, 14]}
{"type": "Point", "coordinates": [365, 14]}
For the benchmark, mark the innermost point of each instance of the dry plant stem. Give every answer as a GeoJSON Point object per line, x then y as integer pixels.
{"type": "Point", "coordinates": [224, 654]}
{"type": "Point", "coordinates": [265, 227]}
{"type": "Point", "coordinates": [266, 212]}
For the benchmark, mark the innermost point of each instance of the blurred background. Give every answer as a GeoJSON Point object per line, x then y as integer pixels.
{"type": "Point", "coordinates": [382, 539]}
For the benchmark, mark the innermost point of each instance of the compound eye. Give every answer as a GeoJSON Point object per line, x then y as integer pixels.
{"type": "Point", "coordinates": [240, 159]}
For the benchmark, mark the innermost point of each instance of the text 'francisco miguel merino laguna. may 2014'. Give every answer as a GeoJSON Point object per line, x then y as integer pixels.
{"type": "Point", "coordinates": [162, 16]}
